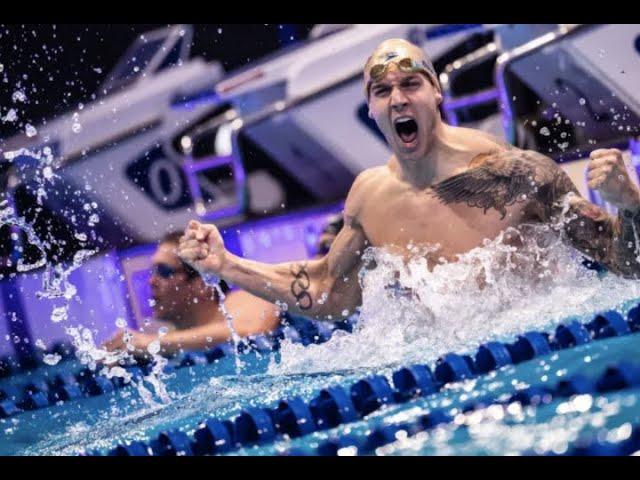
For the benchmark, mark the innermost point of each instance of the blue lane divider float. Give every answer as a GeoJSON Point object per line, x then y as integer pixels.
{"type": "Point", "coordinates": [133, 449]}
{"type": "Point", "coordinates": [213, 437]}
{"type": "Point", "coordinates": [618, 377]}
{"type": "Point", "coordinates": [414, 381]}
{"type": "Point", "coordinates": [332, 406]}
{"type": "Point", "coordinates": [254, 425]}
{"type": "Point", "coordinates": [454, 368]}
{"type": "Point", "coordinates": [491, 356]}
{"type": "Point", "coordinates": [171, 444]}
{"type": "Point", "coordinates": [369, 394]}
{"type": "Point", "coordinates": [529, 346]}
{"type": "Point", "coordinates": [294, 418]}
{"type": "Point", "coordinates": [572, 334]}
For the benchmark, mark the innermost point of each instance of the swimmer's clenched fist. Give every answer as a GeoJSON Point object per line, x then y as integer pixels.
{"type": "Point", "coordinates": [202, 248]}
{"type": "Point", "coordinates": [607, 173]}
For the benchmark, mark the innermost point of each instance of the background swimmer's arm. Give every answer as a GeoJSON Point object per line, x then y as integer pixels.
{"type": "Point", "coordinates": [251, 316]}
{"type": "Point", "coordinates": [322, 288]}
{"type": "Point", "coordinates": [196, 338]}
{"type": "Point", "coordinates": [251, 322]}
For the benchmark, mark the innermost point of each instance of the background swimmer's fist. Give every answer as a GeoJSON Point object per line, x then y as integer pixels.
{"type": "Point", "coordinates": [607, 173]}
{"type": "Point", "coordinates": [202, 248]}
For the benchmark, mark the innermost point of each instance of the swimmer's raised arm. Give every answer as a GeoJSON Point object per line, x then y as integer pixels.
{"type": "Point", "coordinates": [326, 288]}
{"type": "Point", "coordinates": [610, 240]}
{"type": "Point", "coordinates": [510, 175]}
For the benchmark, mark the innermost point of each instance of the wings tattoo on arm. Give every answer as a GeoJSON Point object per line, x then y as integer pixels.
{"type": "Point", "coordinates": [493, 181]}
{"type": "Point", "coordinates": [500, 179]}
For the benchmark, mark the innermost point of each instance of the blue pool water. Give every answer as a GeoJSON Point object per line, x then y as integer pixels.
{"type": "Point", "coordinates": [215, 391]}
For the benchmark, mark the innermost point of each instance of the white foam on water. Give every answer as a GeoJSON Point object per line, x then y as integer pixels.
{"type": "Point", "coordinates": [418, 309]}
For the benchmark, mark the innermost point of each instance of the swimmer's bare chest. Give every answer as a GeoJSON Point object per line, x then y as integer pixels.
{"type": "Point", "coordinates": [399, 219]}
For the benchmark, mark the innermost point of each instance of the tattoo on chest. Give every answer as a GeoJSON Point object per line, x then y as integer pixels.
{"type": "Point", "coordinates": [495, 181]}
{"type": "Point", "coordinates": [300, 286]}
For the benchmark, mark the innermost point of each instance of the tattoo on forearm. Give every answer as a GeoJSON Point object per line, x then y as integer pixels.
{"type": "Point", "coordinates": [612, 242]}
{"type": "Point", "coordinates": [300, 286]}
{"type": "Point", "coordinates": [627, 243]}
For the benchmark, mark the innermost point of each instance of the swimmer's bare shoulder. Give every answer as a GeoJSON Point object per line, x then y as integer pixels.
{"type": "Point", "coordinates": [362, 189]}
{"type": "Point", "coordinates": [500, 175]}
{"type": "Point", "coordinates": [482, 142]}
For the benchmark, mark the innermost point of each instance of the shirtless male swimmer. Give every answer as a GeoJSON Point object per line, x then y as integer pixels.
{"type": "Point", "coordinates": [443, 185]}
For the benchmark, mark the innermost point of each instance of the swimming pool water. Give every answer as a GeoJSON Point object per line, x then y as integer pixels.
{"type": "Point", "coordinates": [214, 390]}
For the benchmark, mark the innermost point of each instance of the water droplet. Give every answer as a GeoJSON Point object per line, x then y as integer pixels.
{"type": "Point", "coordinates": [59, 314]}
{"type": "Point", "coordinates": [19, 96]}
{"type": "Point", "coordinates": [154, 347]}
{"type": "Point", "coordinates": [121, 322]}
{"type": "Point", "coordinates": [545, 131]}
{"type": "Point", "coordinates": [30, 130]}
{"type": "Point", "coordinates": [582, 101]}
{"type": "Point", "coordinates": [11, 116]}
{"type": "Point", "coordinates": [51, 358]}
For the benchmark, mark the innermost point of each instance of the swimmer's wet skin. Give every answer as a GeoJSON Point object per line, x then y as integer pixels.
{"type": "Point", "coordinates": [444, 185]}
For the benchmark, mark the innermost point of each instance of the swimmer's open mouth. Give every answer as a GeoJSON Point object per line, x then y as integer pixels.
{"type": "Point", "coordinates": [406, 128]}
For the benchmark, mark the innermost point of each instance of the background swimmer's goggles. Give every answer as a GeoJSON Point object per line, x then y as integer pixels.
{"type": "Point", "coordinates": [165, 271]}
{"type": "Point", "coordinates": [405, 65]}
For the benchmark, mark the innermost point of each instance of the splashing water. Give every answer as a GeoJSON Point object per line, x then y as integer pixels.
{"type": "Point", "coordinates": [418, 309]}
{"type": "Point", "coordinates": [56, 285]}
{"type": "Point", "coordinates": [235, 338]}
{"type": "Point", "coordinates": [51, 358]}
{"type": "Point", "coordinates": [8, 217]}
